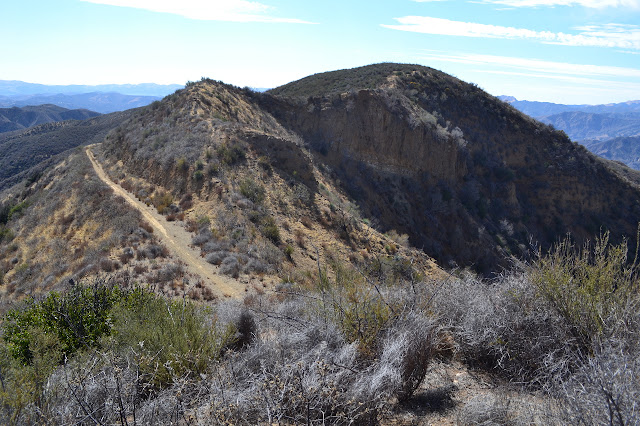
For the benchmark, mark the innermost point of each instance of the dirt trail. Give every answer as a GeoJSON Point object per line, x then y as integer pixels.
{"type": "Point", "coordinates": [175, 238]}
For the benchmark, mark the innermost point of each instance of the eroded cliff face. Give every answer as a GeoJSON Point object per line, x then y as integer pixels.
{"type": "Point", "coordinates": [469, 179]}
{"type": "Point", "coordinates": [364, 128]}
{"type": "Point", "coordinates": [399, 164]}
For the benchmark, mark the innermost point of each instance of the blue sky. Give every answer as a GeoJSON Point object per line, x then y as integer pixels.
{"type": "Point", "coordinates": [566, 51]}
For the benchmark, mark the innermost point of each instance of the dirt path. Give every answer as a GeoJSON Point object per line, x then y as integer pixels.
{"type": "Point", "coordinates": [175, 238]}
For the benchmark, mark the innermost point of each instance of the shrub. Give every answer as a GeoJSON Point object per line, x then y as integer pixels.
{"type": "Point", "coordinates": [172, 339]}
{"type": "Point", "coordinates": [78, 319]}
{"type": "Point", "coordinates": [17, 209]}
{"type": "Point", "coordinates": [298, 235]}
{"type": "Point", "coordinates": [230, 154]}
{"type": "Point", "coordinates": [230, 266]}
{"type": "Point", "coordinates": [181, 164]}
{"type": "Point", "coordinates": [288, 251]}
{"type": "Point", "coordinates": [590, 288]}
{"type": "Point", "coordinates": [504, 326]}
{"type": "Point", "coordinates": [216, 257]}
{"type": "Point", "coordinates": [252, 190]}
{"type": "Point", "coordinates": [186, 202]}
{"type": "Point", "coordinates": [401, 239]}
{"type": "Point", "coordinates": [357, 308]}
{"type": "Point", "coordinates": [6, 234]}
{"type": "Point", "coordinates": [605, 388]}
{"type": "Point", "coordinates": [162, 200]}
{"type": "Point", "coordinates": [270, 229]}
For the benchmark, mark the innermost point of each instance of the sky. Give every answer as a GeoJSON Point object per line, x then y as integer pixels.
{"type": "Point", "coordinates": [563, 51]}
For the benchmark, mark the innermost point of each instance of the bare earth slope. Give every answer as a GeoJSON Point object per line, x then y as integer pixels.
{"type": "Point", "coordinates": [175, 237]}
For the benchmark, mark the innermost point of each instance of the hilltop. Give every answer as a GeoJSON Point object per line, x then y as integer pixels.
{"type": "Point", "coordinates": [467, 177]}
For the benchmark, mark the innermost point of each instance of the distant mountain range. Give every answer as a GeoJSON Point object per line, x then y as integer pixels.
{"type": "Point", "coordinates": [611, 131]}
{"type": "Point", "coordinates": [21, 118]}
{"type": "Point", "coordinates": [13, 88]}
{"type": "Point", "coordinates": [581, 126]}
{"type": "Point", "coordinates": [617, 148]}
{"type": "Point", "coordinates": [544, 109]}
{"type": "Point", "coordinates": [102, 98]}
{"type": "Point", "coordinates": [103, 103]}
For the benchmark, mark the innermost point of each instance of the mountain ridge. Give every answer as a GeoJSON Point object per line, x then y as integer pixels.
{"type": "Point", "coordinates": [419, 152]}
{"type": "Point", "coordinates": [540, 109]}
{"type": "Point", "coordinates": [20, 118]}
{"type": "Point", "coordinates": [101, 102]}
{"type": "Point", "coordinates": [16, 87]}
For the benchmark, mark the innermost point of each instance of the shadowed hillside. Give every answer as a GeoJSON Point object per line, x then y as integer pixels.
{"type": "Point", "coordinates": [466, 176]}
{"type": "Point", "coordinates": [624, 149]}
{"type": "Point", "coordinates": [20, 118]}
{"type": "Point", "coordinates": [23, 149]}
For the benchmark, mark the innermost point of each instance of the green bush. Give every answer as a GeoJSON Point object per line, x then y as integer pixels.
{"type": "Point", "coordinates": [231, 154]}
{"type": "Point", "coordinates": [171, 338]}
{"type": "Point", "coordinates": [8, 211]}
{"type": "Point", "coordinates": [162, 201]}
{"type": "Point", "coordinates": [355, 307]}
{"type": "Point", "coordinates": [589, 287]}
{"type": "Point", "coordinates": [78, 319]}
{"type": "Point", "coordinates": [182, 165]}
{"type": "Point", "coordinates": [24, 385]}
{"type": "Point", "coordinates": [252, 190]}
{"type": "Point", "coordinates": [288, 251]}
{"type": "Point", "coordinates": [270, 229]}
{"type": "Point", "coordinates": [5, 234]}
{"type": "Point", "coordinates": [135, 329]}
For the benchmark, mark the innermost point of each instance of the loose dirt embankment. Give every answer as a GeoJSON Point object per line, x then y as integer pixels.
{"type": "Point", "coordinates": [175, 238]}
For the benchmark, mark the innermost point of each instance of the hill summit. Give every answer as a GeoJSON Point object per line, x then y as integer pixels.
{"type": "Point", "coordinates": [467, 177]}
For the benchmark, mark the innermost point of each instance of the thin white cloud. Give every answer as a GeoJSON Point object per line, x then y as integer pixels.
{"type": "Point", "coordinates": [593, 4]}
{"type": "Point", "coordinates": [206, 10]}
{"type": "Point", "coordinates": [538, 66]}
{"type": "Point", "coordinates": [570, 79]}
{"type": "Point", "coordinates": [603, 36]}
{"type": "Point", "coordinates": [542, 80]}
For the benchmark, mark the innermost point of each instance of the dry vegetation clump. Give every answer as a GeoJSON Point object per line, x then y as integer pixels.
{"type": "Point", "coordinates": [344, 344]}
{"type": "Point", "coordinates": [231, 243]}
{"type": "Point", "coordinates": [292, 361]}
{"type": "Point", "coordinates": [567, 325]}
{"type": "Point", "coordinates": [63, 227]}
{"type": "Point", "coordinates": [326, 356]}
